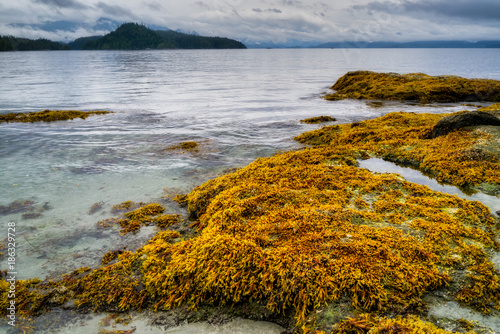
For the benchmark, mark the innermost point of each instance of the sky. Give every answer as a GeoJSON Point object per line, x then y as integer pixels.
{"type": "Point", "coordinates": [259, 21]}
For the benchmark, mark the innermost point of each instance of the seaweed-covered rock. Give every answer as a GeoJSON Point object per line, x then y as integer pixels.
{"type": "Point", "coordinates": [462, 157]}
{"type": "Point", "coordinates": [413, 87]}
{"type": "Point", "coordinates": [318, 119]}
{"type": "Point", "coordinates": [308, 235]}
{"type": "Point", "coordinates": [462, 120]}
{"type": "Point", "coordinates": [49, 116]}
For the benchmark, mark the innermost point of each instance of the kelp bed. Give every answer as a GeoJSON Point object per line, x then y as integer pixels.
{"type": "Point", "coordinates": [49, 116]}
{"type": "Point", "coordinates": [413, 86]}
{"type": "Point", "coordinates": [307, 234]}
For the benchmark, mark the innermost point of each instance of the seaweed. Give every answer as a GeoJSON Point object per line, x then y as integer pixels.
{"type": "Point", "coordinates": [366, 323]}
{"type": "Point", "coordinates": [17, 206]}
{"type": "Point", "coordinates": [110, 256]}
{"type": "Point", "coordinates": [125, 206]}
{"type": "Point", "coordinates": [186, 146]}
{"type": "Point", "coordinates": [403, 138]}
{"type": "Point", "coordinates": [167, 220]}
{"type": "Point", "coordinates": [31, 215]}
{"type": "Point", "coordinates": [319, 119]}
{"type": "Point", "coordinates": [137, 215]}
{"type": "Point", "coordinates": [413, 87]}
{"type": "Point", "coordinates": [304, 230]}
{"type": "Point", "coordinates": [49, 116]}
{"type": "Point", "coordinates": [97, 206]}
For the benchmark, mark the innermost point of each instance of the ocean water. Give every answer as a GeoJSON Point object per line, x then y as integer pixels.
{"type": "Point", "coordinates": [238, 104]}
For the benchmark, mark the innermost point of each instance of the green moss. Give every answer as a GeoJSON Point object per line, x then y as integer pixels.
{"type": "Point", "coordinates": [319, 119]}
{"type": "Point", "coordinates": [49, 116]}
{"type": "Point", "coordinates": [413, 86]}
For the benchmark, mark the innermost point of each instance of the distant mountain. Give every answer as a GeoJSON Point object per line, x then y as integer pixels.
{"type": "Point", "coordinates": [416, 44]}
{"type": "Point", "coordinates": [290, 44]}
{"type": "Point", "coordinates": [101, 25]}
{"type": "Point", "coordinates": [133, 36]}
{"type": "Point", "coordinates": [9, 43]}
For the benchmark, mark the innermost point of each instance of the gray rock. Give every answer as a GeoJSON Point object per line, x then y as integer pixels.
{"type": "Point", "coordinates": [461, 120]}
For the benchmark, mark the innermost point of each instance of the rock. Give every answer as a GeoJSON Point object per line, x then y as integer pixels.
{"type": "Point", "coordinates": [461, 120]}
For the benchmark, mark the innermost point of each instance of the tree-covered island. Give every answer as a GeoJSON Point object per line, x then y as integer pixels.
{"type": "Point", "coordinates": [129, 36]}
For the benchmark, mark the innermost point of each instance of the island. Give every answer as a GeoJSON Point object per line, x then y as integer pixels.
{"type": "Point", "coordinates": [128, 36]}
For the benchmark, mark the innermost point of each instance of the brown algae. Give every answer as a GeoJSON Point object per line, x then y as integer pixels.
{"type": "Point", "coordinates": [136, 215]}
{"type": "Point", "coordinates": [401, 137]}
{"type": "Point", "coordinates": [49, 116]}
{"type": "Point", "coordinates": [318, 119]}
{"type": "Point", "coordinates": [17, 206]}
{"type": "Point", "coordinates": [303, 230]}
{"type": "Point", "coordinates": [413, 86]}
{"type": "Point", "coordinates": [296, 232]}
{"type": "Point", "coordinates": [186, 146]}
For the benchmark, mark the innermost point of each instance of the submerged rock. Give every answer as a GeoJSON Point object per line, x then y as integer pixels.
{"type": "Point", "coordinates": [462, 120]}
{"type": "Point", "coordinates": [186, 146]}
{"type": "Point", "coordinates": [49, 116]}
{"type": "Point", "coordinates": [318, 119]}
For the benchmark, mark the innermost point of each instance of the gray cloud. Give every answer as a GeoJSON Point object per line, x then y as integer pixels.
{"type": "Point", "coordinates": [73, 4]}
{"type": "Point", "coordinates": [291, 3]}
{"type": "Point", "coordinates": [115, 11]}
{"type": "Point", "coordinates": [155, 6]}
{"type": "Point", "coordinates": [270, 10]}
{"type": "Point", "coordinates": [459, 9]}
{"type": "Point", "coordinates": [271, 20]}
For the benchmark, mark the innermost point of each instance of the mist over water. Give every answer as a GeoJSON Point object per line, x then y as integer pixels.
{"type": "Point", "coordinates": [238, 104]}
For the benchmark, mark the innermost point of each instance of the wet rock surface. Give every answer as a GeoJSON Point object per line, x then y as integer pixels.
{"type": "Point", "coordinates": [462, 120]}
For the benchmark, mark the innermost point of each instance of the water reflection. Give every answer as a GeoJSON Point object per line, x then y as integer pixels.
{"type": "Point", "coordinates": [415, 176]}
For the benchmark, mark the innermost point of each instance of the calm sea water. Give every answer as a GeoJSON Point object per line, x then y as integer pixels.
{"type": "Point", "coordinates": [238, 104]}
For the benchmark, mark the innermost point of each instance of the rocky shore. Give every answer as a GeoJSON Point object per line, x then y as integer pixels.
{"type": "Point", "coordinates": [309, 240]}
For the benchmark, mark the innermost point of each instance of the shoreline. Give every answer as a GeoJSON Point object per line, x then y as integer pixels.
{"type": "Point", "coordinates": [227, 204]}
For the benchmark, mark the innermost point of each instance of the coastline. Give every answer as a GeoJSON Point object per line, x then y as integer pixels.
{"type": "Point", "coordinates": [228, 198]}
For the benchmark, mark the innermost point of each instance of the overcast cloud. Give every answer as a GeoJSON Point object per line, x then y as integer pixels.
{"type": "Point", "coordinates": [267, 20]}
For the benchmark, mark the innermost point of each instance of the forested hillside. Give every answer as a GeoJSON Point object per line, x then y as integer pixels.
{"type": "Point", "coordinates": [10, 43]}
{"type": "Point", "coordinates": [133, 36]}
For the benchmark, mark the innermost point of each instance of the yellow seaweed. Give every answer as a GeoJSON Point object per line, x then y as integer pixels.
{"type": "Point", "coordinates": [305, 229]}
{"type": "Point", "coordinates": [49, 116]}
{"type": "Point", "coordinates": [413, 86]}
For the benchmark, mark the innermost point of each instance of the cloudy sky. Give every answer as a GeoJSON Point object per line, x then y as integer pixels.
{"type": "Point", "coordinates": [267, 20]}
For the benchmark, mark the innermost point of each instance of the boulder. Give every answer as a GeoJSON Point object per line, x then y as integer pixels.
{"type": "Point", "coordinates": [461, 120]}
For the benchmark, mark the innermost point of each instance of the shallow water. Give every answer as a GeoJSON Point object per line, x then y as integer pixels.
{"type": "Point", "coordinates": [239, 104]}
{"type": "Point", "coordinates": [69, 322]}
{"type": "Point", "coordinates": [415, 176]}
